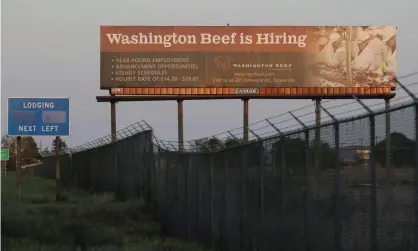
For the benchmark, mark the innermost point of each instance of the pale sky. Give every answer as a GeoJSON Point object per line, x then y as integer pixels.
{"type": "Point", "coordinates": [50, 48]}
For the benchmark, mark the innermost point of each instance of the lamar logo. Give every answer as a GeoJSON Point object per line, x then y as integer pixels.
{"type": "Point", "coordinates": [246, 90]}
{"type": "Point", "coordinates": [223, 62]}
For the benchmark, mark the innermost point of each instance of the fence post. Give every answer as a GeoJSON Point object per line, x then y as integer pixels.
{"type": "Point", "coordinates": [186, 178]}
{"type": "Point", "coordinates": [178, 194]}
{"type": "Point", "coordinates": [373, 182]}
{"type": "Point", "coordinates": [242, 173]}
{"type": "Point", "coordinates": [198, 194]}
{"type": "Point", "coordinates": [212, 195]}
{"type": "Point", "coordinates": [416, 176]}
{"type": "Point", "coordinates": [261, 188]}
{"type": "Point", "coordinates": [415, 99]}
{"type": "Point", "coordinates": [283, 207]}
{"type": "Point", "coordinates": [388, 165]}
{"type": "Point", "coordinates": [306, 188]}
{"type": "Point", "coordinates": [337, 183]}
{"type": "Point", "coordinates": [222, 235]}
{"type": "Point", "coordinates": [167, 186]}
{"type": "Point", "coordinates": [258, 241]}
{"type": "Point", "coordinates": [372, 169]}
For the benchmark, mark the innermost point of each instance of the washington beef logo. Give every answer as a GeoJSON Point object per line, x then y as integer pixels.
{"type": "Point", "coordinates": [223, 62]}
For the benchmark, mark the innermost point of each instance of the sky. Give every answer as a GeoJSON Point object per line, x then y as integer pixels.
{"type": "Point", "coordinates": [50, 48]}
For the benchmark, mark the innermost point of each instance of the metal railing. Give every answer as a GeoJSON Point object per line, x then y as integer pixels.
{"type": "Point", "coordinates": [350, 183]}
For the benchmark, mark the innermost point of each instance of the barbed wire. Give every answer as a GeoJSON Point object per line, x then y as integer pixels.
{"type": "Point", "coordinates": [285, 122]}
{"type": "Point", "coordinates": [259, 130]}
{"type": "Point", "coordinates": [123, 133]}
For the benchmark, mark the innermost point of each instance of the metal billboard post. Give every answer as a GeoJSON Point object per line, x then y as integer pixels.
{"type": "Point", "coordinates": [180, 124]}
{"type": "Point", "coordinates": [245, 118]}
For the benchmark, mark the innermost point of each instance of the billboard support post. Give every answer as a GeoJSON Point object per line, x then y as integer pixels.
{"type": "Point", "coordinates": [245, 117]}
{"type": "Point", "coordinates": [18, 166]}
{"type": "Point", "coordinates": [113, 119]}
{"type": "Point", "coordinates": [388, 143]}
{"type": "Point", "coordinates": [180, 124]}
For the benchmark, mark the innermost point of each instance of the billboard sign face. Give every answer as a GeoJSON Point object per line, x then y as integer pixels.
{"type": "Point", "coordinates": [248, 59]}
{"type": "Point", "coordinates": [38, 117]}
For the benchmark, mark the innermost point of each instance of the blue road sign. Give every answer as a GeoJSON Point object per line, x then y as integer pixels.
{"type": "Point", "coordinates": [38, 117]}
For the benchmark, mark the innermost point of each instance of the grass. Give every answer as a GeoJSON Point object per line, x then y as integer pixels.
{"type": "Point", "coordinates": [82, 222]}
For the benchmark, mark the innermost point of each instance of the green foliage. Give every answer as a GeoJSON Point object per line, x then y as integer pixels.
{"type": "Point", "coordinates": [231, 142]}
{"type": "Point", "coordinates": [402, 151]}
{"type": "Point", "coordinates": [208, 145]}
{"type": "Point", "coordinates": [89, 222]}
{"type": "Point", "coordinates": [216, 144]}
{"type": "Point", "coordinates": [29, 150]}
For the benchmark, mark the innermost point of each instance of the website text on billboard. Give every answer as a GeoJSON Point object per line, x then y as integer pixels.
{"type": "Point", "coordinates": [263, 57]}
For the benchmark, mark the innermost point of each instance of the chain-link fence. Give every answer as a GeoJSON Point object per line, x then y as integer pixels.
{"type": "Point", "coordinates": [347, 184]}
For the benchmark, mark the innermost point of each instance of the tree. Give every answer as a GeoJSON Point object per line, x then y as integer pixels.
{"type": "Point", "coordinates": [63, 144]}
{"type": "Point", "coordinates": [208, 144]}
{"type": "Point", "coordinates": [231, 142]}
{"type": "Point", "coordinates": [216, 144]}
{"type": "Point", "coordinates": [401, 150]}
{"type": "Point", "coordinates": [29, 150]}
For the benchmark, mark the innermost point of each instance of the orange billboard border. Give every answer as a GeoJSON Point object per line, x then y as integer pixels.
{"type": "Point", "coordinates": [263, 91]}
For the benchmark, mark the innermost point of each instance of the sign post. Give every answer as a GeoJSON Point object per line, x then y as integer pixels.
{"type": "Point", "coordinates": [38, 117]}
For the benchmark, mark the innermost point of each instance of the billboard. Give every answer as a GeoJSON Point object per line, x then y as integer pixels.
{"type": "Point", "coordinates": [164, 60]}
